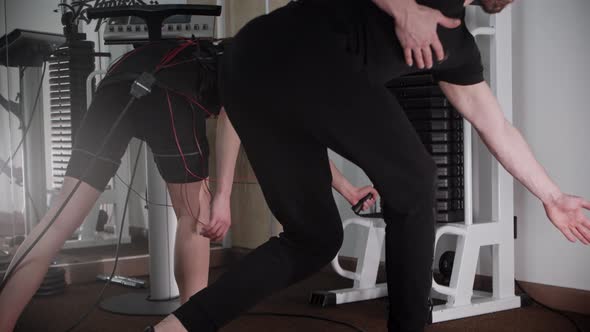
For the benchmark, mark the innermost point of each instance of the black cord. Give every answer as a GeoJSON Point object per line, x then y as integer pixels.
{"type": "Point", "coordinates": [33, 205]}
{"type": "Point", "coordinates": [139, 194]}
{"type": "Point", "coordinates": [9, 273]}
{"type": "Point", "coordinates": [559, 312]}
{"type": "Point", "coordinates": [101, 294]}
{"type": "Point", "coordinates": [323, 319]}
{"type": "Point", "coordinates": [68, 7]}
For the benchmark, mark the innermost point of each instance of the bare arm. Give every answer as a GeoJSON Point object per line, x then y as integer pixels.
{"type": "Point", "coordinates": [351, 193]}
{"type": "Point", "coordinates": [227, 147]}
{"type": "Point", "coordinates": [415, 27]}
{"type": "Point", "coordinates": [479, 106]}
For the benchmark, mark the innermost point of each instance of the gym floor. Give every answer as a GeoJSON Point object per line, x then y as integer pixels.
{"type": "Point", "coordinates": [57, 313]}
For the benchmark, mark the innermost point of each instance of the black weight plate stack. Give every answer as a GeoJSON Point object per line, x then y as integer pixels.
{"type": "Point", "coordinates": [440, 128]}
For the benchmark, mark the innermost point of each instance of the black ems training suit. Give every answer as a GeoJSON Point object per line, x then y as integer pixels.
{"type": "Point", "coordinates": [308, 77]}
{"type": "Point", "coordinates": [168, 119]}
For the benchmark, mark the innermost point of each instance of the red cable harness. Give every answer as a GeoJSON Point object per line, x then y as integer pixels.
{"type": "Point", "coordinates": [165, 63]}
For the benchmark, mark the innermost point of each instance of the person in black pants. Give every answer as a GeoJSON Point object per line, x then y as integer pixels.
{"type": "Point", "coordinates": [311, 76]}
{"type": "Point", "coordinates": [171, 120]}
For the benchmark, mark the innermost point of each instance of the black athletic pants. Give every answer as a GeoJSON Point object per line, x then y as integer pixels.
{"type": "Point", "coordinates": [295, 83]}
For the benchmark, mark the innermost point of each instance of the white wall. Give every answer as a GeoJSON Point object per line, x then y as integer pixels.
{"type": "Point", "coordinates": [551, 71]}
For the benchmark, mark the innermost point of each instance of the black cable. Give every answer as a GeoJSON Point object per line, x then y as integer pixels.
{"type": "Point", "coordinates": [140, 195]}
{"type": "Point", "coordinates": [323, 319]}
{"type": "Point", "coordinates": [559, 312]}
{"type": "Point", "coordinates": [107, 283]}
{"type": "Point", "coordinates": [68, 7]}
{"type": "Point", "coordinates": [33, 205]}
{"type": "Point", "coordinates": [9, 273]}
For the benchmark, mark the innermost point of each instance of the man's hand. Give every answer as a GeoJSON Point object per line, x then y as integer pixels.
{"type": "Point", "coordinates": [416, 31]}
{"type": "Point", "coordinates": [566, 212]}
{"type": "Point", "coordinates": [220, 220]}
{"type": "Point", "coordinates": [415, 27]}
{"type": "Point", "coordinates": [355, 195]}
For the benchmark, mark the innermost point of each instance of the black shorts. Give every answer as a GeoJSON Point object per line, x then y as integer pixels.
{"type": "Point", "coordinates": [176, 136]}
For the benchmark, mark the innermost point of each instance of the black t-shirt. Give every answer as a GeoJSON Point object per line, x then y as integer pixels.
{"type": "Point", "coordinates": [463, 61]}
{"type": "Point", "coordinates": [370, 33]}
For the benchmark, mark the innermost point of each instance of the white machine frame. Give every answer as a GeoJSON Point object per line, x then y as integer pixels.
{"type": "Point", "coordinates": [461, 300]}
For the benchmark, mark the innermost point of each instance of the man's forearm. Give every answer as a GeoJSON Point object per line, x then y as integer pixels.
{"type": "Point", "coordinates": [339, 182]}
{"type": "Point", "coordinates": [227, 147]}
{"type": "Point", "coordinates": [512, 151]}
{"type": "Point", "coordinates": [479, 106]}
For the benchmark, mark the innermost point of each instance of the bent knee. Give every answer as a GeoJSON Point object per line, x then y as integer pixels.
{"type": "Point", "coordinates": [322, 242]}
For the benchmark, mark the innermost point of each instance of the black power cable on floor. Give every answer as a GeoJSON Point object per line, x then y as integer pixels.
{"type": "Point", "coordinates": [323, 319]}
{"type": "Point", "coordinates": [142, 197]}
{"type": "Point", "coordinates": [559, 312]}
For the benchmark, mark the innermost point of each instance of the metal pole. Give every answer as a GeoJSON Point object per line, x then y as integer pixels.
{"type": "Point", "coordinates": [162, 226]}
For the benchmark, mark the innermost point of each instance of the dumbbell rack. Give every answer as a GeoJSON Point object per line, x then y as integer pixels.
{"type": "Point", "coordinates": [459, 300]}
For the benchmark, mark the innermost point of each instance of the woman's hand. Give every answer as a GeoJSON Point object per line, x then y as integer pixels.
{"type": "Point", "coordinates": [358, 193]}
{"type": "Point", "coordinates": [566, 212]}
{"type": "Point", "coordinates": [220, 220]}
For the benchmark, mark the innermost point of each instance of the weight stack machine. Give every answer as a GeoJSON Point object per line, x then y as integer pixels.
{"type": "Point", "coordinates": [68, 69]}
{"type": "Point", "coordinates": [440, 128]}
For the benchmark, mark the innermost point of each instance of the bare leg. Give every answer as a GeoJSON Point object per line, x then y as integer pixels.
{"type": "Point", "coordinates": [28, 276]}
{"type": "Point", "coordinates": [170, 324]}
{"type": "Point", "coordinates": [191, 252]}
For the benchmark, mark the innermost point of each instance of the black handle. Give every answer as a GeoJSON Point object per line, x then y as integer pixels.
{"type": "Point", "coordinates": [358, 207]}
